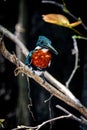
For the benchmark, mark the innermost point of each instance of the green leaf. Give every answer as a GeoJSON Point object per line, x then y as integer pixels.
{"type": "Point", "coordinates": [1, 122]}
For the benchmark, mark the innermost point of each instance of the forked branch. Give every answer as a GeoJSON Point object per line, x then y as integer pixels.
{"type": "Point", "coordinates": [54, 90]}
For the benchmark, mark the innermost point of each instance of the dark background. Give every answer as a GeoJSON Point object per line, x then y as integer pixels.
{"type": "Point", "coordinates": [61, 66]}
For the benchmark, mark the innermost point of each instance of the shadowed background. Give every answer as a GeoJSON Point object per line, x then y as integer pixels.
{"type": "Point", "coordinates": [14, 98]}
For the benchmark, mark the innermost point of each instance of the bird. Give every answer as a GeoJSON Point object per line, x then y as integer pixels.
{"type": "Point", "coordinates": [40, 58]}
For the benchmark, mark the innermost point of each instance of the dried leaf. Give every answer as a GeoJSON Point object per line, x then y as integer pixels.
{"type": "Point", "coordinates": [59, 19]}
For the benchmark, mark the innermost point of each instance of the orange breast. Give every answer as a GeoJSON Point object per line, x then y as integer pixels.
{"type": "Point", "coordinates": [41, 59]}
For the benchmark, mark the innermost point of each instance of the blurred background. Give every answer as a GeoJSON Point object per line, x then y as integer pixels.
{"type": "Point", "coordinates": [23, 18]}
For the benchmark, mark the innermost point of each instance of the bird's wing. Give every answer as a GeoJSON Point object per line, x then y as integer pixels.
{"type": "Point", "coordinates": [28, 58]}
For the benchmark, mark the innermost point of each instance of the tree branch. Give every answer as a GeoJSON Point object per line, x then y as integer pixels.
{"type": "Point", "coordinates": [21, 67]}
{"type": "Point", "coordinates": [75, 51]}
{"type": "Point", "coordinates": [14, 38]}
{"type": "Point", "coordinates": [42, 124]}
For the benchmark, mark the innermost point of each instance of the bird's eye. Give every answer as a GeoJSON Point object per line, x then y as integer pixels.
{"type": "Point", "coordinates": [42, 42]}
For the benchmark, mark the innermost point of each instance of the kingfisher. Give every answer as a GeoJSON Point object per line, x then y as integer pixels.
{"type": "Point", "coordinates": [40, 58]}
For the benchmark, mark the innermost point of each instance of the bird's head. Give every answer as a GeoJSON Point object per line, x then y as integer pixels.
{"type": "Point", "coordinates": [44, 42]}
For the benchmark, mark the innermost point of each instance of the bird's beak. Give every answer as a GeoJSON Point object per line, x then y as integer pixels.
{"type": "Point", "coordinates": [51, 48]}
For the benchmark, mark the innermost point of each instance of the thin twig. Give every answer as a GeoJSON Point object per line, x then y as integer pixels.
{"type": "Point", "coordinates": [67, 112]}
{"type": "Point", "coordinates": [69, 115]}
{"type": "Point", "coordinates": [80, 120]}
{"type": "Point", "coordinates": [62, 6]}
{"type": "Point", "coordinates": [76, 53]}
{"type": "Point", "coordinates": [42, 124]}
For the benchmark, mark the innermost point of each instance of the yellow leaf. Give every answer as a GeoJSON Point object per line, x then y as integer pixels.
{"type": "Point", "coordinates": [2, 120]}
{"type": "Point", "coordinates": [59, 19]}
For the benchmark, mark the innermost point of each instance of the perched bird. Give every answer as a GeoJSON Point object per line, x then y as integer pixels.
{"type": "Point", "coordinates": [39, 59]}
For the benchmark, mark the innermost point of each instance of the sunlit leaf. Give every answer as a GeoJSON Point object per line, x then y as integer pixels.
{"type": "Point", "coordinates": [1, 122]}
{"type": "Point", "coordinates": [61, 20]}
{"type": "Point", "coordinates": [56, 19]}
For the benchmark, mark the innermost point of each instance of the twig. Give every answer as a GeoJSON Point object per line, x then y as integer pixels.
{"type": "Point", "coordinates": [67, 112]}
{"type": "Point", "coordinates": [76, 52]}
{"type": "Point", "coordinates": [53, 119]}
{"type": "Point", "coordinates": [53, 2]}
{"type": "Point", "coordinates": [80, 120]}
{"type": "Point", "coordinates": [69, 115]}
{"type": "Point", "coordinates": [42, 124]}
{"type": "Point", "coordinates": [62, 6]}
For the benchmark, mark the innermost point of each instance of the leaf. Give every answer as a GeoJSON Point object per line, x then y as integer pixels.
{"type": "Point", "coordinates": [56, 19]}
{"type": "Point", "coordinates": [1, 122]}
{"type": "Point", "coordinates": [61, 20]}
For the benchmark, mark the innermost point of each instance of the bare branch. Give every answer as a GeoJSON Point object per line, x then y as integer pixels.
{"type": "Point", "coordinates": [72, 115]}
{"type": "Point", "coordinates": [42, 124]}
{"type": "Point", "coordinates": [75, 51]}
{"type": "Point", "coordinates": [25, 69]}
{"type": "Point", "coordinates": [14, 38]}
{"type": "Point", "coordinates": [62, 6]}
{"type": "Point", "coordinates": [60, 87]}
{"type": "Point", "coordinates": [69, 115]}
{"type": "Point", "coordinates": [53, 119]}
